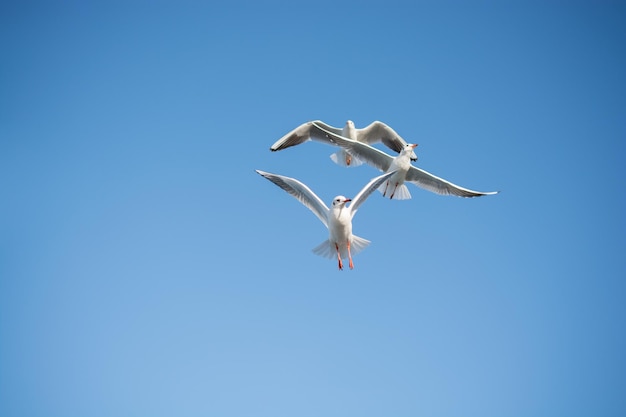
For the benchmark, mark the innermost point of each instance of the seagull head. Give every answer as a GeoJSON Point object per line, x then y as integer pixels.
{"type": "Point", "coordinates": [340, 201]}
{"type": "Point", "coordinates": [350, 124]}
{"type": "Point", "coordinates": [410, 150]}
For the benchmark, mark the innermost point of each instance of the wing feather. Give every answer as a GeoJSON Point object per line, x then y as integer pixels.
{"type": "Point", "coordinates": [430, 182]}
{"type": "Point", "coordinates": [303, 133]}
{"type": "Point", "coordinates": [380, 132]}
{"type": "Point", "coordinates": [367, 191]}
{"type": "Point", "coordinates": [301, 192]}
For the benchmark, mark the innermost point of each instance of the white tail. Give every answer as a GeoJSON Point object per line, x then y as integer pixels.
{"type": "Point", "coordinates": [401, 192]}
{"type": "Point", "coordinates": [344, 159]}
{"type": "Point", "coordinates": [358, 244]}
{"type": "Point", "coordinates": [327, 249]}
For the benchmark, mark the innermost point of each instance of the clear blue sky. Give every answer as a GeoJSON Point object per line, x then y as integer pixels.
{"type": "Point", "coordinates": [147, 270]}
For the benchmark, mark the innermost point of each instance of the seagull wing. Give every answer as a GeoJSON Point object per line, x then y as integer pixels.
{"type": "Point", "coordinates": [301, 192]}
{"type": "Point", "coordinates": [303, 133]}
{"type": "Point", "coordinates": [367, 190]}
{"type": "Point", "coordinates": [438, 185]}
{"type": "Point", "coordinates": [362, 151]}
{"type": "Point", "coordinates": [380, 132]}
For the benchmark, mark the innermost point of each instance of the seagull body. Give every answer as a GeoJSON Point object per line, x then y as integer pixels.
{"type": "Point", "coordinates": [316, 130]}
{"type": "Point", "coordinates": [338, 219]}
{"type": "Point", "coordinates": [394, 187]}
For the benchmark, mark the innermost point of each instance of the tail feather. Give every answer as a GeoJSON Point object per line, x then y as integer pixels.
{"type": "Point", "coordinates": [358, 244]}
{"type": "Point", "coordinates": [344, 159]}
{"type": "Point", "coordinates": [383, 188]}
{"type": "Point", "coordinates": [401, 191]}
{"type": "Point", "coordinates": [326, 249]}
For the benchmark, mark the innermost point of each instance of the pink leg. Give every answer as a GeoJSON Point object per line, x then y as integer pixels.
{"type": "Point", "coordinates": [339, 257]}
{"type": "Point", "coordinates": [394, 191]}
{"type": "Point", "coordinates": [350, 256]}
{"type": "Point", "coordinates": [385, 192]}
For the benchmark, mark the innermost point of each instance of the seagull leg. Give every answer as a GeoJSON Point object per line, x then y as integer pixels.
{"type": "Point", "coordinates": [350, 256]}
{"type": "Point", "coordinates": [348, 159]}
{"type": "Point", "coordinates": [339, 257]}
{"type": "Point", "coordinates": [394, 191]}
{"type": "Point", "coordinates": [385, 192]}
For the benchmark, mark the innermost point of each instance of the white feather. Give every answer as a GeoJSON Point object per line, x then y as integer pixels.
{"type": "Point", "coordinates": [342, 157]}
{"type": "Point", "coordinates": [401, 191]}
{"type": "Point", "coordinates": [325, 249]}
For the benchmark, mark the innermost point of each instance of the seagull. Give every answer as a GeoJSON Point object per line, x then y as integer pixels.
{"type": "Point", "coordinates": [394, 187]}
{"type": "Point", "coordinates": [337, 219]}
{"type": "Point", "coordinates": [374, 133]}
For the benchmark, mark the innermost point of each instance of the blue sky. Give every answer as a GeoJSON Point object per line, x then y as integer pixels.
{"type": "Point", "coordinates": [147, 270]}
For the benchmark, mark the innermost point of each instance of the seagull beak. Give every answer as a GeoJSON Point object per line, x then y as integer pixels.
{"type": "Point", "coordinates": [414, 145]}
{"type": "Point", "coordinates": [348, 199]}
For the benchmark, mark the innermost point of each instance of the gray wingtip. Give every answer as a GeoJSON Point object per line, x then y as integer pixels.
{"type": "Point", "coordinates": [482, 194]}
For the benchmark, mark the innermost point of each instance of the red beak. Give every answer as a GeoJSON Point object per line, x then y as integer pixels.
{"type": "Point", "coordinates": [348, 199]}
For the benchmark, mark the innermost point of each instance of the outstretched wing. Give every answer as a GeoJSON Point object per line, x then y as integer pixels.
{"type": "Point", "coordinates": [380, 132]}
{"type": "Point", "coordinates": [303, 133]}
{"type": "Point", "coordinates": [301, 192]}
{"type": "Point", "coordinates": [367, 190]}
{"type": "Point", "coordinates": [438, 185]}
{"type": "Point", "coordinates": [363, 151]}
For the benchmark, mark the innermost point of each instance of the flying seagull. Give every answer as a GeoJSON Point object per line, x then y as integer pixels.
{"type": "Point", "coordinates": [337, 219]}
{"type": "Point", "coordinates": [394, 187]}
{"type": "Point", "coordinates": [374, 133]}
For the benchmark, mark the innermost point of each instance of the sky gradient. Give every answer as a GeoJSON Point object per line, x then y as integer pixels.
{"type": "Point", "coordinates": [147, 270]}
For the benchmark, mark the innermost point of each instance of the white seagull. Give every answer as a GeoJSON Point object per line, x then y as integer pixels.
{"type": "Point", "coordinates": [374, 133]}
{"type": "Point", "coordinates": [394, 187]}
{"type": "Point", "coordinates": [338, 219]}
